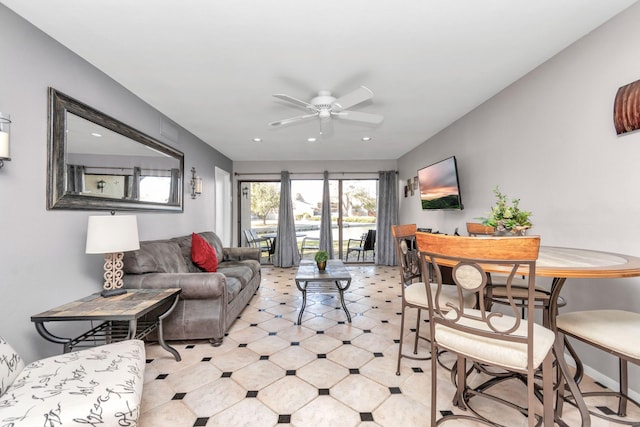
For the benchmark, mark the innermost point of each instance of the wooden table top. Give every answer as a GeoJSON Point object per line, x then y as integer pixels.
{"type": "Point", "coordinates": [130, 306]}
{"type": "Point", "coordinates": [582, 263]}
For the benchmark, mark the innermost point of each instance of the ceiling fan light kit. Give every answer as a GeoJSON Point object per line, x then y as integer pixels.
{"type": "Point", "coordinates": [325, 106]}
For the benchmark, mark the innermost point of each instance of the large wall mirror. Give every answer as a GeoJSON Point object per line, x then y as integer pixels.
{"type": "Point", "coordinates": [97, 162]}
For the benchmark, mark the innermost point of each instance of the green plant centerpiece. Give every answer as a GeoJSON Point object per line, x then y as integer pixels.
{"type": "Point", "coordinates": [506, 217]}
{"type": "Point", "coordinates": [321, 258]}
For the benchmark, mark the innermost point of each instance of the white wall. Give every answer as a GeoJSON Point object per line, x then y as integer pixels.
{"type": "Point", "coordinates": [43, 263]}
{"type": "Point", "coordinates": [549, 140]}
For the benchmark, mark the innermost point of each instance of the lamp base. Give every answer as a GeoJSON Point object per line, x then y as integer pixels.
{"type": "Point", "coordinates": [112, 292]}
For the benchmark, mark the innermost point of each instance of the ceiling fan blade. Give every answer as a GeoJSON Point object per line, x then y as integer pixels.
{"type": "Point", "coordinates": [293, 119]}
{"type": "Point", "coordinates": [295, 101]}
{"type": "Point", "coordinates": [358, 116]}
{"type": "Point", "coordinates": [356, 97]}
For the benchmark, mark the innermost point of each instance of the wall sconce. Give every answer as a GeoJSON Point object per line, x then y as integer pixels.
{"type": "Point", "coordinates": [100, 184]}
{"type": "Point", "coordinates": [5, 122]}
{"type": "Point", "coordinates": [196, 184]}
{"type": "Point", "coordinates": [245, 192]}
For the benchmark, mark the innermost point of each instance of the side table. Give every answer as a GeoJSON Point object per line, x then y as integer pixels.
{"type": "Point", "coordinates": [120, 317]}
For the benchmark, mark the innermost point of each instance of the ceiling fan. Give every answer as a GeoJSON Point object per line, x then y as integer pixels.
{"type": "Point", "coordinates": [325, 106]}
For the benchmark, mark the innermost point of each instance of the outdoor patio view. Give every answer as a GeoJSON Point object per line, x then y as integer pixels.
{"type": "Point", "coordinates": [353, 215]}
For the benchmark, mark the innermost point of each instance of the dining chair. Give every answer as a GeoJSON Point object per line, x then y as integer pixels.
{"type": "Point", "coordinates": [615, 332]}
{"type": "Point", "coordinates": [496, 293]}
{"type": "Point", "coordinates": [414, 294]}
{"type": "Point", "coordinates": [504, 340]}
{"type": "Point", "coordinates": [309, 243]}
{"type": "Point", "coordinates": [365, 244]}
{"type": "Point", "coordinates": [262, 243]}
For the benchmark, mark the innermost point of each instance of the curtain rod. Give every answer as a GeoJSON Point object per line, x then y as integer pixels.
{"type": "Point", "coordinates": [307, 173]}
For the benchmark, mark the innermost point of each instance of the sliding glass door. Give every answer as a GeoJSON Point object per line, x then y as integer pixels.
{"type": "Point", "coordinates": [353, 214]}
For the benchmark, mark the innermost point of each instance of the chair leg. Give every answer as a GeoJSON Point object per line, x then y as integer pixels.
{"type": "Point", "coordinates": [547, 390]}
{"type": "Point", "coordinates": [401, 339]}
{"type": "Point", "coordinates": [624, 388]}
{"type": "Point", "coordinates": [415, 344]}
{"type": "Point", "coordinates": [434, 384]}
{"type": "Point", "coordinates": [461, 383]}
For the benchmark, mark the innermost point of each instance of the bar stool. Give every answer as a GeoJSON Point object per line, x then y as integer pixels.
{"type": "Point", "coordinates": [613, 331]}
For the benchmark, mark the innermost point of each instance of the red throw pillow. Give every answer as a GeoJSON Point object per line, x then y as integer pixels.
{"type": "Point", "coordinates": [202, 254]}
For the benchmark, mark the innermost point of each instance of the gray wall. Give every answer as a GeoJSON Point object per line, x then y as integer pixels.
{"type": "Point", "coordinates": [549, 140]}
{"type": "Point", "coordinates": [43, 263]}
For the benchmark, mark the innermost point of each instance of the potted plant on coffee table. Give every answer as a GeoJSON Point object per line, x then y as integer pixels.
{"type": "Point", "coordinates": [321, 258]}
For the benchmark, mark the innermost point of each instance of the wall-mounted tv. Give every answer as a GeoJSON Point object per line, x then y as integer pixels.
{"type": "Point", "coordinates": [439, 186]}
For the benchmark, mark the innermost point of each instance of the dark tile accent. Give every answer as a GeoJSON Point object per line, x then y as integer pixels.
{"type": "Point", "coordinates": [396, 341]}
{"type": "Point", "coordinates": [399, 314]}
{"type": "Point", "coordinates": [323, 392]}
{"type": "Point", "coordinates": [283, 303]}
{"type": "Point", "coordinates": [149, 360]}
{"type": "Point", "coordinates": [342, 322]}
{"type": "Point", "coordinates": [261, 309]}
{"type": "Point", "coordinates": [272, 333]}
{"type": "Point", "coordinates": [226, 375]}
{"type": "Point", "coordinates": [207, 359]}
{"type": "Point", "coordinates": [606, 410]}
{"type": "Point", "coordinates": [295, 343]}
{"type": "Point", "coordinates": [366, 416]}
{"type": "Point", "coordinates": [412, 329]}
{"type": "Point", "coordinates": [178, 396]}
{"type": "Point", "coordinates": [264, 357]}
{"type": "Point", "coordinates": [446, 413]}
{"type": "Point", "coordinates": [278, 316]}
{"type": "Point", "coordinates": [253, 324]}
{"type": "Point", "coordinates": [367, 331]}
{"type": "Point", "coordinates": [190, 346]}
{"type": "Point", "coordinates": [378, 355]}
{"type": "Point", "coordinates": [242, 345]}
{"type": "Point", "coordinates": [384, 321]}
{"type": "Point", "coordinates": [354, 371]}
{"type": "Point", "coordinates": [322, 356]}
{"type": "Point", "coordinates": [417, 370]}
{"type": "Point", "coordinates": [388, 300]}
{"type": "Point", "coordinates": [201, 422]}
{"type": "Point", "coordinates": [284, 419]}
{"type": "Point", "coordinates": [346, 342]}
{"type": "Point", "coordinates": [162, 376]}
{"type": "Point", "coordinates": [252, 393]}
{"type": "Point", "coordinates": [319, 332]}
{"type": "Point", "coordinates": [291, 371]}
{"type": "Point", "coordinates": [395, 390]}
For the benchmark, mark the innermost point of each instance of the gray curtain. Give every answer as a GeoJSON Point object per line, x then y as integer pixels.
{"type": "Point", "coordinates": [326, 238]}
{"type": "Point", "coordinates": [286, 253]}
{"type": "Point", "coordinates": [135, 185]}
{"type": "Point", "coordinates": [174, 192]}
{"type": "Point", "coordinates": [387, 216]}
{"type": "Point", "coordinates": [75, 178]}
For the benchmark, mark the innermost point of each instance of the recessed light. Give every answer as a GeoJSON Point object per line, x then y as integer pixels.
{"type": "Point", "coordinates": [257, 139]}
{"type": "Point", "coordinates": [311, 139]}
{"type": "Point", "coordinates": [366, 138]}
{"type": "Point", "coordinates": [97, 135]}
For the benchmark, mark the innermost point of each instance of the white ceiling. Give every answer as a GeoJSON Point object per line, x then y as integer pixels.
{"type": "Point", "coordinates": [212, 66]}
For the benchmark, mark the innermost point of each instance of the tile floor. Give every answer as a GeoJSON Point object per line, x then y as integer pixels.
{"type": "Point", "coordinates": [326, 372]}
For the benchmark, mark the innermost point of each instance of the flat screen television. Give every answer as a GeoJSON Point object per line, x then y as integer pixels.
{"type": "Point", "coordinates": [439, 186]}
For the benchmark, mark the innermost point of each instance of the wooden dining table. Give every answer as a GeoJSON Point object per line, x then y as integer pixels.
{"type": "Point", "coordinates": [560, 264]}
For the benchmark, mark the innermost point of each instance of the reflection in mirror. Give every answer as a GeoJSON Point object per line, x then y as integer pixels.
{"type": "Point", "coordinates": [98, 163]}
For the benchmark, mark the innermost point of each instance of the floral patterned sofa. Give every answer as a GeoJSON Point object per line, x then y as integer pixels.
{"type": "Point", "coordinates": [96, 386]}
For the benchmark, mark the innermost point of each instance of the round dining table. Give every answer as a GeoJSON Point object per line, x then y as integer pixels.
{"type": "Point", "coordinates": [560, 264]}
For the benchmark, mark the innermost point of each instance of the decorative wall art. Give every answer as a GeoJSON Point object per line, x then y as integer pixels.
{"type": "Point", "coordinates": [626, 108]}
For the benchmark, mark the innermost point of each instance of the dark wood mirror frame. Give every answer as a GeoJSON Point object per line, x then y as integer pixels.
{"type": "Point", "coordinates": [58, 196]}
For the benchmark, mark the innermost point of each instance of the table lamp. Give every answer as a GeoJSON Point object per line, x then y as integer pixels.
{"type": "Point", "coordinates": [112, 235]}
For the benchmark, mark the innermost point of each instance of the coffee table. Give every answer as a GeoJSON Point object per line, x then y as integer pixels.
{"type": "Point", "coordinates": [120, 317]}
{"type": "Point", "coordinates": [308, 277]}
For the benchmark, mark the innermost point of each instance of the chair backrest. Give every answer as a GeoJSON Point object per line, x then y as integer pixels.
{"type": "Point", "coordinates": [477, 229]}
{"type": "Point", "coordinates": [249, 237]}
{"type": "Point", "coordinates": [404, 237]}
{"type": "Point", "coordinates": [11, 364]}
{"type": "Point", "coordinates": [370, 240]}
{"type": "Point", "coordinates": [472, 258]}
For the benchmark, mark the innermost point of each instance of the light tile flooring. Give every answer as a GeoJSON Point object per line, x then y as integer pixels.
{"type": "Point", "coordinates": [326, 372]}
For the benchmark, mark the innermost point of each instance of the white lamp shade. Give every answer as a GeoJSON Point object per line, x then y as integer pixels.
{"type": "Point", "coordinates": [112, 233]}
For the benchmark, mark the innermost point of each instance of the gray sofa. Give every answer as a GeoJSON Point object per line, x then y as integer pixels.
{"type": "Point", "coordinates": [209, 302]}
